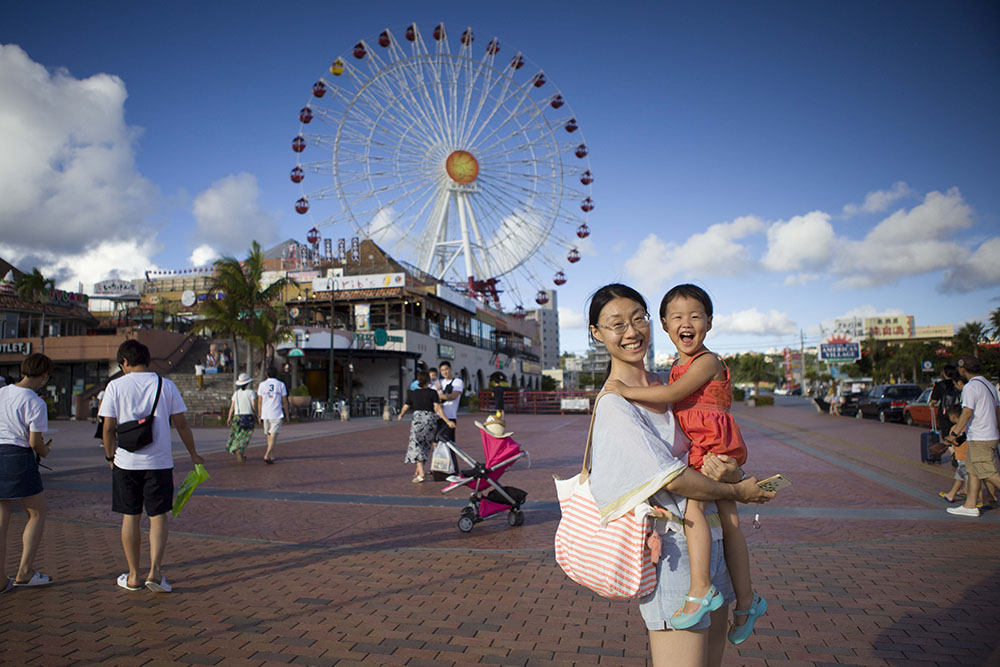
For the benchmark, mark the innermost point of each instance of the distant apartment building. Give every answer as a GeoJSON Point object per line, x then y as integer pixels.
{"type": "Point", "coordinates": [547, 317]}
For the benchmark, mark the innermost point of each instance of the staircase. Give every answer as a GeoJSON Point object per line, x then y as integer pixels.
{"type": "Point", "coordinates": [218, 388]}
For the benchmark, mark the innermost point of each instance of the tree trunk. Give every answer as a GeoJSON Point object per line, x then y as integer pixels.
{"type": "Point", "coordinates": [236, 359]}
{"type": "Point", "coordinates": [41, 331]}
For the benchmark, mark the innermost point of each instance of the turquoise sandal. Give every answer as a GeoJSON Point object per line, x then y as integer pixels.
{"type": "Point", "coordinates": [711, 602]}
{"type": "Point", "coordinates": [739, 633]}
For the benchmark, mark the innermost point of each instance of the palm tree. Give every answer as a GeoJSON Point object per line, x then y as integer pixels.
{"type": "Point", "coordinates": [756, 368]}
{"type": "Point", "coordinates": [995, 324]}
{"type": "Point", "coordinates": [245, 310]}
{"type": "Point", "coordinates": [37, 288]}
{"type": "Point", "coordinates": [267, 333]}
{"type": "Point", "coordinates": [968, 338]}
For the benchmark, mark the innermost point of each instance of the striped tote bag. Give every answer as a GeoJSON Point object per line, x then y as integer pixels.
{"type": "Point", "coordinates": [614, 561]}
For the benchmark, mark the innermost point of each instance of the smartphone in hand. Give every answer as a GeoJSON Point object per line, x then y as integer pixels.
{"type": "Point", "coordinates": [774, 483]}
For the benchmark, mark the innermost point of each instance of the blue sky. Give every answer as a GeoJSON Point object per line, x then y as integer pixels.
{"type": "Point", "coordinates": [800, 161]}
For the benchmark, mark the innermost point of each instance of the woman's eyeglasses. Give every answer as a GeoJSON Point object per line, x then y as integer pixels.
{"type": "Point", "coordinates": [619, 328]}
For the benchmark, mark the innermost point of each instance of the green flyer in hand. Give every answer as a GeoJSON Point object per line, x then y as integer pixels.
{"type": "Point", "coordinates": [191, 482]}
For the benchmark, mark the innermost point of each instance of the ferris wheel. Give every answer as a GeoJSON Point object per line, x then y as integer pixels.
{"type": "Point", "coordinates": [465, 163]}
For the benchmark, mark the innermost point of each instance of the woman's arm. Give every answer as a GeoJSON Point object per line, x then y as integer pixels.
{"type": "Point", "coordinates": [440, 413]}
{"type": "Point", "coordinates": [692, 484]}
{"type": "Point", "coordinates": [406, 406]}
{"type": "Point", "coordinates": [37, 442]}
{"type": "Point", "coordinates": [702, 370]}
{"type": "Point", "coordinates": [232, 411]}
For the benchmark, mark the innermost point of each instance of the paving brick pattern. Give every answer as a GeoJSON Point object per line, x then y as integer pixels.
{"type": "Point", "coordinates": [261, 581]}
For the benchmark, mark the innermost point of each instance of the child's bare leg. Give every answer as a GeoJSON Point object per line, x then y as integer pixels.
{"type": "Point", "coordinates": [737, 556]}
{"type": "Point", "coordinates": [699, 542]}
{"type": "Point", "coordinates": [950, 496]}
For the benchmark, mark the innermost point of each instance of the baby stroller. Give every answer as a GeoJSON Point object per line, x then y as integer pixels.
{"type": "Point", "coordinates": [488, 497]}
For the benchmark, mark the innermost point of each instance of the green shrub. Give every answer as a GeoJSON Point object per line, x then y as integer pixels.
{"type": "Point", "coordinates": [473, 403]}
{"type": "Point", "coordinates": [764, 400]}
{"type": "Point", "coordinates": [739, 394]}
{"type": "Point", "coordinates": [301, 390]}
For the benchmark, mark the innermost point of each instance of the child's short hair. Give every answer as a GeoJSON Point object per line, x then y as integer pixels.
{"type": "Point", "coordinates": [955, 412]}
{"type": "Point", "coordinates": [689, 291]}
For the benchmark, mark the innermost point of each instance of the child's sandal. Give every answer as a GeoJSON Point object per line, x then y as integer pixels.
{"type": "Point", "coordinates": [739, 633]}
{"type": "Point", "coordinates": [711, 602]}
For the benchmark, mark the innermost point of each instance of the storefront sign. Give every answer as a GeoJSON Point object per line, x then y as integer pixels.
{"type": "Point", "coordinates": [839, 352]}
{"type": "Point", "coordinates": [362, 316]}
{"type": "Point", "coordinates": [303, 276]}
{"type": "Point", "coordinates": [531, 367]}
{"type": "Point", "coordinates": [116, 288]}
{"type": "Point", "coordinates": [446, 293]}
{"type": "Point", "coordinates": [446, 351]}
{"type": "Point", "coordinates": [371, 281]}
{"type": "Point", "coordinates": [22, 347]}
{"type": "Point", "coordinates": [374, 338]}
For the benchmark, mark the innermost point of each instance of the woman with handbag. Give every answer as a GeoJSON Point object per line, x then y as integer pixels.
{"type": "Point", "coordinates": [242, 418]}
{"type": "Point", "coordinates": [24, 419]}
{"type": "Point", "coordinates": [426, 405]}
{"type": "Point", "coordinates": [640, 455]}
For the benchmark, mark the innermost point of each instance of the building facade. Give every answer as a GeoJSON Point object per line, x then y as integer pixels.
{"type": "Point", "coordinates": [547, 316]}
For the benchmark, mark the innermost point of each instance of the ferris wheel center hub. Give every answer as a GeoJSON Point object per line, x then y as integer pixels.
{"type": "Point", "coordinates": [462, 167]}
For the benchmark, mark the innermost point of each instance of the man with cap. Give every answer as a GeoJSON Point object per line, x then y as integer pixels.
{"type": "Point", "coordinates": [980, 421]}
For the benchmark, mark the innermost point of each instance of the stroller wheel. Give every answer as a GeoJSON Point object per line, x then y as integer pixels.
{"type": "Point", "coordinates": [469, 512]}
{"type": "Point", "coordinates": [515, 518]}
{"type": "Point", "coordinates": [465, 524]}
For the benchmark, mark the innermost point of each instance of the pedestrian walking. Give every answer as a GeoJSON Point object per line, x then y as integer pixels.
{"type": "Point", "coordinates": [426, 406]}
{"type": "Point", "coordinates": [23, 421]}
{"type": "Point", "coordinates": [980, 421]}
{"type": "Point", "coordinates": [241, 419]}
{"type": "Point", "coordinates": [143, 478]}
{"type": "Point", "coordinates": [272, 407]}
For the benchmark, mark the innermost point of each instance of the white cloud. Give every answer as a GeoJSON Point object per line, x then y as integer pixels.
{"type": "Point", "coordinates": [981, 269]}
{"type": "Point", "coordinates": [229, 217]}
{"type": "Point", "coordinates": [755, 323]}
{"type": "Point", "coordinates": [906, 243]}
{"type": "Point", "coordinates": [124, 260]}
{"type": "Point", "coordinates": [803, 242]}
{"type": "Point", "coordinates": [571, 319]}
{"type": "Point", "coordinates": [801, 279]}
{"type": "Point", "coordinates": [203, 255]}
{"type": "Point", "coordinates": [70, 193]}
{"type": "Point", "coordinates": [879, 200]}
{"type": "Point", "coordinates": [712, 252]}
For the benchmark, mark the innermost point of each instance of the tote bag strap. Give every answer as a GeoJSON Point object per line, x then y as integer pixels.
{"type": "Point", "coordinates": [585, 471]}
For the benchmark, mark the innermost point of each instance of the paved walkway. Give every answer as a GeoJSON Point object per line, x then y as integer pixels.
{"type": "Point", "coordinates": [332, 556]}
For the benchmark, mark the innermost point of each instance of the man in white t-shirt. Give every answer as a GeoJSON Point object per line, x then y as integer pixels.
{"type": "Point", "coordinates": [272, 396]}
{"type": "Point", "coordinates": [143, 477]}
{"type": "Point", "coordinates": [980, 421]}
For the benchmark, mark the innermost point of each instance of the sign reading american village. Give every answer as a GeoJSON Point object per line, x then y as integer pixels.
{"type": "Point", "coordinates": [839, 349]}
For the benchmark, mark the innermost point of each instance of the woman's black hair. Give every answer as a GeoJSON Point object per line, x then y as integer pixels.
{"type": "Point", "coordinates": [423, 377]}
{"type": "Point", "coordinates": [609, 293]}
{"type": "Point", "coordinates": [688, 291]}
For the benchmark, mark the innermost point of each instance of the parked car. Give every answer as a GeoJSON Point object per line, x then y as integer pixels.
{"type": "Point", "coordinates": [886, 401]}
{"type": "Point", "coordinates": [919, 411]}
{"type": "Point", "coordinates": [849, 408]}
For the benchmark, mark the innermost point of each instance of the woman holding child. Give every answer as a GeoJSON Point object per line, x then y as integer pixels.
{"type": "Point", "coordinates": [640, 453]}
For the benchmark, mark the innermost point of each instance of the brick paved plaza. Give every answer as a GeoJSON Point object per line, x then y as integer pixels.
{"type": "Point", "coordinates": [332, 556]}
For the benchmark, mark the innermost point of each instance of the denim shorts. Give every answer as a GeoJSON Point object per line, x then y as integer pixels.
{"type": "Point", "coordinates": [19, 477]}
{"type": "Point", "coordinates": [673, 577]}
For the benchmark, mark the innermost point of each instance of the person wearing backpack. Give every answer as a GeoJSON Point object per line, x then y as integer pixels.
{"type": "Point", "coordinates": [142, 465]}
{"type": "Point", "coordinates": [980, 421]}
{"type": "Point", "coordinates": [945, 396]}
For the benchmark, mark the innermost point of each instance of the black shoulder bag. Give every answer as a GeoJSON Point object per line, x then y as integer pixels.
{"type": "Point", "coordinates": [134, 435]}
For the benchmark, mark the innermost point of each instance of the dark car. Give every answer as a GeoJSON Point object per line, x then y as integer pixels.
{"type": "Point", "coordinates": [886, 401]}
{"type": "Point", "coordinates": [849, 408]}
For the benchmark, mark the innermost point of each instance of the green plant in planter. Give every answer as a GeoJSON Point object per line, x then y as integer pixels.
{"type": "Point", "coordinates": [765, 400]}
{"type": "Point", "coordinates": [739, 394]}
{"type": "Point", "coordinates": [473, 403]}
{"type": "Point", "coordinates": [301, 390]}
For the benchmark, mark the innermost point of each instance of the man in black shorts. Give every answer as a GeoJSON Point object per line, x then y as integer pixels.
{"type": "Point", "coordinates": [143, 477]}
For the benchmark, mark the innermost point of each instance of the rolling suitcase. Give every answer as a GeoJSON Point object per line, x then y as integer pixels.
{"type": "Point", "coordinates": [927, 439]}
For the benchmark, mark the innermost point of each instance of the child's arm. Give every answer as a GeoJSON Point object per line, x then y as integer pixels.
{"type": "Point", "coordinates": [702, 370]}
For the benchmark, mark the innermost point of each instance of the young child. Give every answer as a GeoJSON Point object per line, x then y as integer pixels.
{"type": "Point", "coordinates": [957, 449]}
{"type": "Point", "coordinates": [701, 393]}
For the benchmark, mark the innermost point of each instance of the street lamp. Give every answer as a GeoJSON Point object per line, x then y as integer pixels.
{"type": "Point", "coordinates": [332, 391]}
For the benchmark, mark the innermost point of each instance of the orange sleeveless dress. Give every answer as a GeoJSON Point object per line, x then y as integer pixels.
{"type": "Point", "coordinates": [704, 417]}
